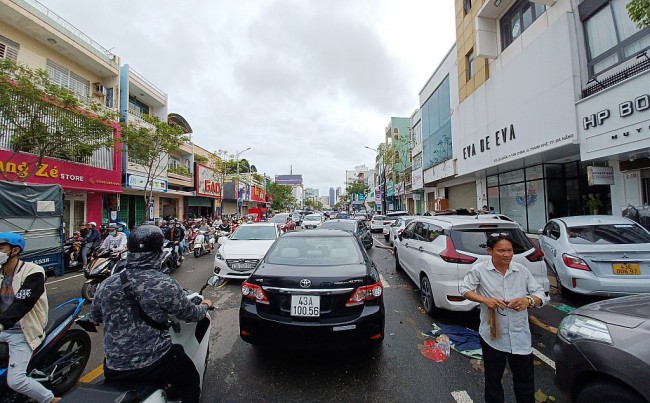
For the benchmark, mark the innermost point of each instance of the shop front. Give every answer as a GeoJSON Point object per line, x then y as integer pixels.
{"type": "Point", "coordinates": [208, 192]}
{"type": "Point", "coordinates": [85, 186]}
{"type": "Point", "coordinates": [133, 206]}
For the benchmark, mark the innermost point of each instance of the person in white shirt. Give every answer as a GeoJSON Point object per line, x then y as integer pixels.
{"type": "Point", "coordinates": [505, 290]}
{"type": "Point", "coordinates": [115, 241]}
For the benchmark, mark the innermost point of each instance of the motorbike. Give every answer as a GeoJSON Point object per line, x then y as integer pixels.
{"type": "Point", "coordinates": [59, 361]}
{"type": "Point", "coordinates": [191, 238]}
{"type": "Point", "coordinates": [72, 255]}
{"type": "Point", "coordinates": [201, 243]}
{"type": "Point", "coordinates": [104, 263]}
{"type": "Point", "coordinates": [194, 337]}
{"type": "Point", "coordinates": [171, 258]}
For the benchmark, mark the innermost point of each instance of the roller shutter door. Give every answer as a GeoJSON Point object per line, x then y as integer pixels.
{"type": "Point", "coordinates": [462, 196]}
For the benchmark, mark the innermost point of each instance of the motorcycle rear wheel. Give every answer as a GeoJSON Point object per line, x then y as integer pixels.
{"type": "Point", "coordinates": [88, 290]}
{"type": "Point", "coordinates": [69, 355]}
{"type": "Point", "coordinates": [197, 252]}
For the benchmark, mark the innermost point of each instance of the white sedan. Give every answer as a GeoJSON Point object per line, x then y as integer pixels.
{"type": "Point", "coordinates": [312, 221]}
{"type": "Point", "coordinates": [239, 254]}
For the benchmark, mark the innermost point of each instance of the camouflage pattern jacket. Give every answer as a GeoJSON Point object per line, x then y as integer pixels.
{"type": "Point", "coordinates": [130, 343]}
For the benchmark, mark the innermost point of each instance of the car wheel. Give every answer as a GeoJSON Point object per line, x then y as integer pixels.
{"type": "Point", "coordinates": [426, 295]}
{"type": "Point", "coordinates": [608, 391]}
{"type": "Point", "coordinates": [561, 290]}
{"type": "Point", "coordinates": [398, 266]}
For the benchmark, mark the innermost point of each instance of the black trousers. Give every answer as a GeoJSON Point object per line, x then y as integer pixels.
{"type": "Point", "coordinates": [174, 368]}
{"type": "Point", "coordinates": [523, 374]}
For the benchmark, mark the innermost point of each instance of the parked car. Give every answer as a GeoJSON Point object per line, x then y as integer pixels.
{"type": "Point", "coordinates": [297, 217]}
{"type": "Point", "coordinates": [437, 252]}
{"type": "Point", "coordinates": [598, 254]}
{"type": "Point", "coordinates": [357, 227]}
{"type": "Point", "coordinates": [397, 227]}
{"type": "Point", "coordinates": [390, 218]}
{"type": "Point", "coordinates": [238, 254]}
{"type": "Point", "coordinates": [343, 215]}
{"type": "Point", "coordinates": [312, 221]}
{"type": "Point", "coordinates": [281, 220]}
{"type": "Point", "coordinates": [377, 223]}
{"type": "Point", "coordinates": [601, 351]}
{"type": "Point", "coordinates": [313, 287]}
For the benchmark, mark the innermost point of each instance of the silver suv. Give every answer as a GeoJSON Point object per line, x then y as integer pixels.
{"type": "Point", "coordinates": [437, 252]}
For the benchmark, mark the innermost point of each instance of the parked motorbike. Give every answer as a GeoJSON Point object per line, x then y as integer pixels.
{"type": "Point", "coordinates": [201, 243]}
{"type": "Point", "coordinates": [59, 361]}
{"type": "Point", "coordinates": [104, 263]}
{"type": "Point", "coordinates": [194, 337]}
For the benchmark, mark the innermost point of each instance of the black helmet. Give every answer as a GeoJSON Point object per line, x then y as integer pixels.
{"type": "Point", "coordinates": [146, 238]}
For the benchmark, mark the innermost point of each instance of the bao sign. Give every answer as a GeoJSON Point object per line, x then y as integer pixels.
{"type": "Point", "coordinates": [207, 182]}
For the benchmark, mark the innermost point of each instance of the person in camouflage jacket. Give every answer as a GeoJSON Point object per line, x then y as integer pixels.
{"type": "Point", "coordinates": [134, 350]}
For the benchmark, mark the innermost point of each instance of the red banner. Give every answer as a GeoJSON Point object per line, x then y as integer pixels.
{"type": "Point", "coordinates": [258, 195]}
{"type": "Point", "coordinates": [69, 175]}
{"type": "Point", "coordinates": [207, 182]}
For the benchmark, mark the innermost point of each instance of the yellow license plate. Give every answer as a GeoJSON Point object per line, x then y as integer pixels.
{"type": "Point", "coordinates": [626, 269]}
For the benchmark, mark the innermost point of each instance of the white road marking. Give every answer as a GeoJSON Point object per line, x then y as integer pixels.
{"type": "Point", "coordinates": [544, 358]}
{"type": "Point", "coordinates": [461, 396]}
{"type": "Point", "coordinates": [383, 281]}
{"type": "Point", "coordinates": [63, 279]}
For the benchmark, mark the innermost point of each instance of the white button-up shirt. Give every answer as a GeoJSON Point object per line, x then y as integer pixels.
{"type": "Point", "coordinates": [514, 332]}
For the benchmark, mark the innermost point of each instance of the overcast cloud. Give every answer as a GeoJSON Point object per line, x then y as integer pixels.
{"type": "Point", "coordinates": [305, 83]}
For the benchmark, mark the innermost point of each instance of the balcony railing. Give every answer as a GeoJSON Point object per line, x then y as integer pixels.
{"type": "Point", "coordinates": [596, 85]}
{"type": "Point", "coordinates": [144, 80]}
{"type": "Point", "coordinates": [137, 118]}
{"type": "Point", "coordinates": [67, 29]}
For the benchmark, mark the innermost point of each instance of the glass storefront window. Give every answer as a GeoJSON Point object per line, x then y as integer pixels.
{"type": "Point", "coordinates": [536, 172]}
{"type": "Point", "coordinates": [493, 199]}
{"type": "Point", "coordinates": [535, 197]}
{"type": "Point", "coordinates": [513, 202]}
{"type": "Point", "coordinates": [571, 169]}
{"type": "Point", "coordinates": [493, 180]}
{"type": "Point", "coordinates": [511, 177]}
{"type": "Point", "coordinates": [553, 170]}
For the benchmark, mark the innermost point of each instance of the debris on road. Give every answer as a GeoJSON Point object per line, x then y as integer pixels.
{"type": "Point", "coordinates": [421, 310]}
{"type": "Point", "coordinates": [432, 351]}
{"type": "Point", "coordinates": [465, 341]}
{"type": "Point", "coordinates": [541, 397]}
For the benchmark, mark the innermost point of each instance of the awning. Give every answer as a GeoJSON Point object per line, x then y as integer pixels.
{"type": "Point", "coordinates": [193, 201]}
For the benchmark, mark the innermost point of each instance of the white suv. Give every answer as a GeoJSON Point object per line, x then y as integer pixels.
{"type": "Point", "coordinates": [389, 219]}
{"type": "Point", "coordinates": [239, 254]}
{"type": "Point", "coordinates": [437, 252]}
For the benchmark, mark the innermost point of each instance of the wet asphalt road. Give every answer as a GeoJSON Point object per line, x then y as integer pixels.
{"type": "Point", "coordinates": [395, 371]}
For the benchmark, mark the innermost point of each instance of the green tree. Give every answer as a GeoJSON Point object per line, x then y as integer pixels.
{"type": "Point", "coordinates": [282, 196]}
{"type": "Point", "coordinates": [639, 11]}
{"type": "Point", "coordinates": [149, 146]}
{"type": "Point", "coordinates": [44, 119]}
{"type": "Point", "coordinates": [358, 189]}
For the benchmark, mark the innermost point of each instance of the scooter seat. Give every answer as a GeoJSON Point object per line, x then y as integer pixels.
{"type": "Point", "coordinates": [58, 316]}
{"type": "Point", "coordinates": [110, 392]}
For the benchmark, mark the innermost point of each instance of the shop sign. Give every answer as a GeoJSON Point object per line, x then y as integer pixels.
{"type": "Point", "coordinates": [139, 182]}
{"type": "Point", "coordinates": [69, 175]}
{"type": "Point", "coordinates": [600, 175]}
{"type": "Point", "coordinates": [258, 195]}
{"type": "Point", "coordinates": [207, 182]}
{"type": "Point", "coordinates": [416, 196]}
{"type": "Point", "coordinates": [417, 179]}
{"type": "Point", "coordinates": [399, 189]}
{"type": "Point", "coordinates": [377, 195]}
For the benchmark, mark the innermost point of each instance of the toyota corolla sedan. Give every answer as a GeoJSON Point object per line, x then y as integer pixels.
{"type": "Point", "coordinates": [598, 255]}
{"type": "Point", "coordinates": [313, 287]}
{"type": "Point", "coordinates": [238, 254]}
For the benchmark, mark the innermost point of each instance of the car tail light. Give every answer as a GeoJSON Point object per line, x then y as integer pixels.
{"type": "Point", "coordinates": [536, 256]}
{"type": "Point", "coordinates": [255, 292]}
{"type": "Point", "coordinates": [365, 293]}
{"type": "Point", "coordinates": [452, 256]}
{"type": "Point", "coordinates": [575, 262]}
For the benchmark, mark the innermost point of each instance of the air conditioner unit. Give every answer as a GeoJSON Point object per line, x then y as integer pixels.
{"type": "Point", "coordinates": [98, 89]}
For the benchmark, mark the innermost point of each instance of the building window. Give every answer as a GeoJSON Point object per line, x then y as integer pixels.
{"type": "Point", "coordinates": [173, 163]}
{"type": "Point", "coordinates": [8, 49]}
{"type": "Point", "coordinates": [611, 36]}
{"type": "Point", "coordinates": [467, 6]}
{"type": "Point", "coordinates": [61, 76]}
{"type": "Point", "coordinates": [138, 106]}
{"type": "Point", "coordinates": [469, 59]}
{"type": "Point", "coordinates": [516, 20]}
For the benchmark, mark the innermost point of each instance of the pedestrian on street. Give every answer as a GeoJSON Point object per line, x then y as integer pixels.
{"type": "Point", "coordinates": [505, 290]}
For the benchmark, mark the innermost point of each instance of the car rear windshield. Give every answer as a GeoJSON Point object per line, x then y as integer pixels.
{"type": "Point", "coordinates": [475, 240]}
{"type": "Point", "coordinates": [253, 232]}
{"type": "Point", "coordinates": [312, 218]}
{"type": "Point", "coordinates": [378, 217]}
{"type": "Point", "coordinates": [279, 218]}
{"type": "Point", "coordinates": [344, 225]}
{"type": "Point", "coordinates": [608, 234]}
{"type": "Point", "coordinates": [315, 251]}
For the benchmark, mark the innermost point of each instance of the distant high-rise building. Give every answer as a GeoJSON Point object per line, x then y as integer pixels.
{"type": "Point", "coordinates": [332, 198]}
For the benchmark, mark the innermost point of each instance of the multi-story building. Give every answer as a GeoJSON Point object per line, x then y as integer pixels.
{"type": "Point", "coordinates": [35, 36]}
{"type": "Point", "coordinates": [397, 161]}
{"type": "Point", "coordinates": [297, 188]}
{"type": "Point", "coordinates": [415, 185]}
{"type": "Point", "coordinates": [332, 198]}
{"type": "Point", "coordinates": [325, 201]}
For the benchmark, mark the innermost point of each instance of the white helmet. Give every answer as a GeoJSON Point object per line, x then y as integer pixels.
{"type": "Point", "coordinates": [92, 223]}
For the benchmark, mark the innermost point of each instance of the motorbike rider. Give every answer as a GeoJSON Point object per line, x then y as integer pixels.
{"type": "Point", "coordinates": [176, 234]}
{"type": "Point", "coordinates": [115, 241]}
{"type": "Point", "coordinates": [23, 315]}
{"type": "Point", "coordinates": [83, 229]}
{"type": "Point", "coordinates": [92, 239]}
{"type": "Point", "coordinates": [224, 226]}
{"type": "Point", "coordinates": [130, 305]}
{"type": "Point", "coordinates": [122, 227]}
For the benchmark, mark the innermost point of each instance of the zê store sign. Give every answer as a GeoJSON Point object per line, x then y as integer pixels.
{"type": "Point", "coordinates": [70, 175]}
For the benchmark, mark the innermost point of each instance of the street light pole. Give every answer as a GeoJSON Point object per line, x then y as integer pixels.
{"type": "Point", "coordinates": [382, 178]}
{"type": "Point", "coordinates": [237, 154]}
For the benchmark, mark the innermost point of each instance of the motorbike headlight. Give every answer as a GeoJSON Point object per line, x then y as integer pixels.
{"type": "Point", "coordinates": [576, 327]}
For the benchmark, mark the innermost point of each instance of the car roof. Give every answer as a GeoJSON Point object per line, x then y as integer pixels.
{"type": "Point", "coordinates": [593, 220]}
{"type": "Point", "coordinates": [468, 221]}
{"type": "Point", "coordinates": [397, 213]}
{"type": "Point", "coordinates": [259, 224]}
{"type": "Point", "coordinates": [314, 214]}
{"type": "Point", "coordinates": [317, 233]}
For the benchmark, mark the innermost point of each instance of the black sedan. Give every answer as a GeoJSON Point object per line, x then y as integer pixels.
{"type": "Point", "coordinates": [313, 287]}
{"type": "Point", "coordinates": [357, 227]}
{"type": "Point", "coordinates": [602, 351]}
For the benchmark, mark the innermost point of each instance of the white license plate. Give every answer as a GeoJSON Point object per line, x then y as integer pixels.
{"type": "Point", "coordinates": [305, 305]}
{"type": "Point", "coordinates": [242, 266]}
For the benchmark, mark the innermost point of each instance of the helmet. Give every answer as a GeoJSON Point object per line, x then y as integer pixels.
{"type": "Point", "coordinates": [12, 239]}
{"type": "Point", "coordinates": [121, 224]}
{"type": "Point", "coordinates": [92, 224]}
{"type": "Point", "coordinates": [146, 238]}
{"type": "Point", "coordinates": [112, 226]}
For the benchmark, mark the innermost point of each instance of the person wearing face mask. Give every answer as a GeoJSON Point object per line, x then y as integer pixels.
{"type": "Point", "coordinates": [92, 239]}
{"type": "Point", "coordinates": [176, 234]}
{"type": "Point", "coordinates": [23, 315]}
{"type": "Point", "coordinates": [115, 241]}
{"type": "Point", "coordinates": [134, 307]}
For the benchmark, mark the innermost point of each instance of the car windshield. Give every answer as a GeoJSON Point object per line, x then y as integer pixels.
{"type": "Point", "coordinates": [280, 218]}
{"type": "Point", "coordinates": [315, 251]}
{"type": "Point", "coordinates": [312, 218]}
{"type": "Point", "coordinates": [475, 241]}
{"type": "Point", "coordinates": [253, 232]}
{"type": "Point", "coordinates": [344, 225]}
{"type": "Point", "coordinates": [617, 234]}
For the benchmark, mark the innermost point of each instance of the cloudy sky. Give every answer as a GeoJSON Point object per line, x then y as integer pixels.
{"type": "Point", "coordinates": [305, 83]}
